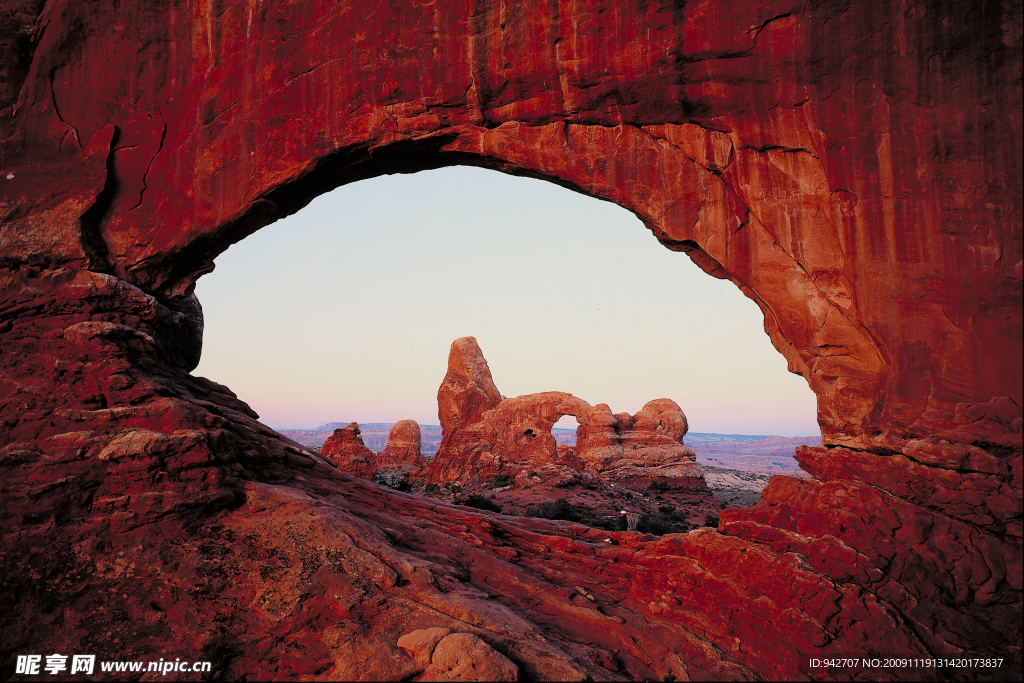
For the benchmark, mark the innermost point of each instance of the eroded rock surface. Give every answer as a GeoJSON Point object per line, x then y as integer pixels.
{"type": "Point", "coordinates": [346, 451]}
{"type": "Point", "coordinates": [403, 448]}
{"type": "Point", "coordinates": [513, 436]}
{"type": "Point", "coordinates": [642, 449]}
{"type": "Point", "coordinates": [855, 168]}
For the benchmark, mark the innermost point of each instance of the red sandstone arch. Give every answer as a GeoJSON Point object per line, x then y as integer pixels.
{"type": "Point", "coordinates": [855, 170]}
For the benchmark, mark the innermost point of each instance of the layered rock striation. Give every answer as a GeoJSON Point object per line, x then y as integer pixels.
{"type": "Point", "coordinates": [854, 168]}
{"type": "Point", "coordinates": [640, 450]}
{"type": "Point", "coordinates": [486, 434]}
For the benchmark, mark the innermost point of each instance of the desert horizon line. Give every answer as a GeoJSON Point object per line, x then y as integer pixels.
{"type": "Point", "coordinates": [325, 425]}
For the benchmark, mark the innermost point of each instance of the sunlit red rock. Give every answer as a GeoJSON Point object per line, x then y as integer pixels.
{"type": "Point", "coordinates": [854, 168]}
{"type": "Point", "coordinates": [345, 450]}
{"type": "Point", "coordinates": [513, 437]}
{"type": "Point", "coordinates": [403, 447]}
{"type": "Point", "coordinates": [642, 449]}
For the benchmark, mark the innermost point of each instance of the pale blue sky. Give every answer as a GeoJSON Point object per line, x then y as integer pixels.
{"type": "Point", "coordinates": [346, 310]}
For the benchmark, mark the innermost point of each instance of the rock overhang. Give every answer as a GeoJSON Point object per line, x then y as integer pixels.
{"type": "Point", "coordinates": [854, 170]}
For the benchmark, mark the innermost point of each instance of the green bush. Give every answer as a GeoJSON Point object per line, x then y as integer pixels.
{"type": "Point", "coordinates": [480, 503]}
{"type": "Point", "coordinates": [431, 489]}
{"type": "Point", "coordinates": [498, 481]}
{"type": "Point", "coordinates": [711, 520]}
{"type": "Point", "coordinates": [666, 521]}
{"type": "Point", "coordinates": [560, 509]}
{"type": "Point", "coordinates": [395, 480]}
{"type": "Point", "coordinates": [564, 510]}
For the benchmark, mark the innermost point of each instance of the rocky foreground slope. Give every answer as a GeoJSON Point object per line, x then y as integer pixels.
{"type": "Point", "coordinates": [854, 168]}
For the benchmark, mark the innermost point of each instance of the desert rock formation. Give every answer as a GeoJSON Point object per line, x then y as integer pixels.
{"type": "Point", "coordinates": [346, 451]}
{"type": "Point", "coordinates": [642, 449]}
{"type": "Point", "coordinates": [403, 449]}
{"type": "Point", "coordinates": [486, 434]}
{"type": "Point", "coordinates": [854, 168]}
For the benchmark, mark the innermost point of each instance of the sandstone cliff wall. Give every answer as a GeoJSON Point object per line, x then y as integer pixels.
{"type": "Point", "coordinates": [854, 168]}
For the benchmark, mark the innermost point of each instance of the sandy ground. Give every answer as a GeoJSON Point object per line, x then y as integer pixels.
{"type": "Point", "coordinates": [735, 487]}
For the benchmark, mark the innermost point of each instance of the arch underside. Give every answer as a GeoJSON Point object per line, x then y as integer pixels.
{"type": "Point", "coordinates": [859, 194]}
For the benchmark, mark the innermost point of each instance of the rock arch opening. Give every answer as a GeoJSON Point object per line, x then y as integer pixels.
{"type": "Point", "coordinates": [854, 167]}
{"type": "Point", "coordinates": [565, 429]}
{"type": "Point", "coordinates": [344, 310]}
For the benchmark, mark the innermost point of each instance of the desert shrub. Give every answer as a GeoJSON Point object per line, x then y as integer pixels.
{"type": "Point", "coordinates": [666, 521]}
{"type": "Point", "coordinates": [498, 481]}
{"type": "Point", "coordinates": [431, 489]}
{"type": "Point", "coordinates": [480, 503]}
{"type": "Point", "coordinates": [606, 523]}
{"type": "Point", "coordinates": [454, 488]}
{"type": "Point", "coordinates": [711, 520]}
{"type": "Point", "coordinates": [564, 510]}
{"type": "Point", "coordinates": [659, 486]}
{"type": "Point", "coordinates": [560, 509]}
{"type": "Point", "coordinates": [395, 480]}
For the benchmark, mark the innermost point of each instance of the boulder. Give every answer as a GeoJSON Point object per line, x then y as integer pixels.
{"type": "Point", "coordinates": [465, 657]}
{"type": "Point", "coordinates": [420, 643]}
